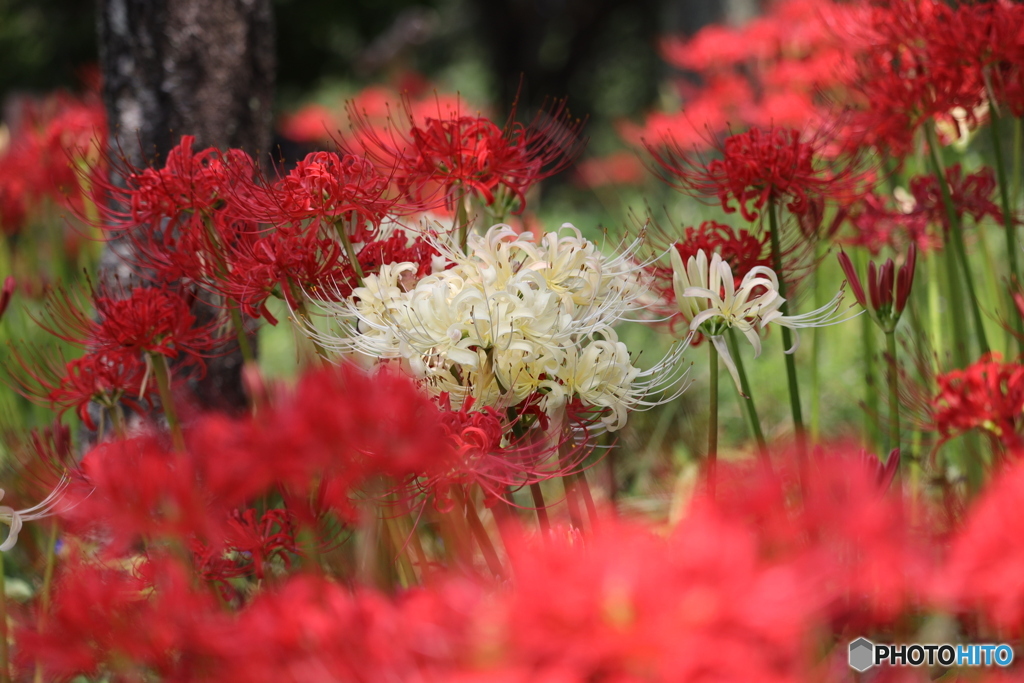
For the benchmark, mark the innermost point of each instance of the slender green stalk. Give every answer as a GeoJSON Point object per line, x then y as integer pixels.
{"type": "Point", "coordinates": [571, 499]}
{"type": "Point", "coordinates": [163, 383]}
{"type": "Point", "coordinates": [1015, 181]}
{"type": "Point", "coordinates": [117, 416]}
{"type": "Point", "coordinates": [894, 392]}
{"type": "Point", "coordinates": [394, 539]}
{"type": "Point", "coordinates": [748, 398]}
{"type": "Point", "coordinates": [44, 594]}
{"type": "Point", "coordinates": [787, 334]}
{"type": "Point", "coordinates": [712, 460]}
{"type": "Point", "coordinates": [304, 314]}
{"type": "Point", "coordinates": [956, 236]}
{"type": "Point", "coordinates": [350, 251]}
{"type": "Point", "coordinates": [867, 328]}
{"type": "Point", "coordinates": [588, 497]}
{"type": "Point", "coordinates": [938, 338]}
{"type": "Point", "coordinates": [1008, 221]}
{"type": "Point", "coordinates": [462, 218]}
{"type": "Point", "coordinates": [819, 337]}
{"type": "Point", "coordinates": [571, 492]}
{"type": "Point", "coordinates": [542, 508]}
{"type": "Point", "coordinates": [483, 539]}
{"type": "Point", "coordinates": [243, 339]}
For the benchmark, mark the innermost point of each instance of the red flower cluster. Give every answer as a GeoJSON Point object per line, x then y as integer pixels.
{"type": "Point", "coordinates": [986, 558]}
{"type": "Point", "coordinates": [971, 195]}
{"type": "Point", "coordinates": [458, 155]}
{"type": "Point", "coordinates": [52, 141]}
{"type": "Point", "coordinates": [776, 164]}
{"type": "Point", "coordinates": [337, 430]}
{"type": "Point", "coordinates": [142, 320]}
{"type": "Point", "coordinates": [779, 69]}
{"type": "Point", "coordinates": [988, 395]}
{"type": "Point", "coordinates": [925, 60]}
{"type": "Point", "coordinates": [742, 589]}
{"type": "Point", "coordinates": [876, 226]}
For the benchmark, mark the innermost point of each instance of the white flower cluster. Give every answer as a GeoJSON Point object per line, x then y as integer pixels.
{"type": "Point", "coordinates": [508, 320]}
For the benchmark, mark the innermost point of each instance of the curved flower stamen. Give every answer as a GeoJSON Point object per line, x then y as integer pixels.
{"type": "Point", "coordinates": [16, 518]}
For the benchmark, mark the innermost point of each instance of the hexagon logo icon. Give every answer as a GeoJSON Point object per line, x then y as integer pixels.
{"type": "Point", "coordinates": [862, 654]}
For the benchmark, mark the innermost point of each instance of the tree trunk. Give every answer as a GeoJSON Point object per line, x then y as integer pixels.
{"type": "Point", "coordinates": [188, 67]}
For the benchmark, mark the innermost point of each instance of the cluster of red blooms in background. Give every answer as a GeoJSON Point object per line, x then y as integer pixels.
{"type": "Point", "coordinates": [47, 154]}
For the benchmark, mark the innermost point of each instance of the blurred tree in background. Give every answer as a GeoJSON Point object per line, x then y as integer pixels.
{"type": "Point", "coordinates": [602, 54]}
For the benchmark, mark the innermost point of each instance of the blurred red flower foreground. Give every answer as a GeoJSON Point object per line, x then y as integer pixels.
{"type": "Point", "coordinates": [768, 582]}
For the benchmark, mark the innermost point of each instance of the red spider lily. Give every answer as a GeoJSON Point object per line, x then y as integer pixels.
{"type": "Point", "coordinates": [251, 541]}
{"type": "Point", "coordinates": [109, 621]}
{"type": "Point", "coordinates": [759, 165]}
{"type": "Point", "coordinates": [285, 261]}
{"type": "Point", "coordinates": [985, 556]}
{"type": "Point", "coordinates": [53, 141]}
{"type": "Point", "coordinates": [340, 425]}
{"type": "Point", "coordinates": [843, 527]}
{"type": "Point", "coordinates": [987, 395]}
{"type": "Point", "coordinates": [889, 290]}
{"type": "Point", "coordinates": [329, 188]}
{"type": "Point", "coordinates": [108, 378]}
{"type": "Point", "coordinates": [740, 249]}
{"type": "Point", "coordinates": [292, 260]}
{"type": "Point", "coordinates": [461, 154]}
{"type": "Point", "coordinates": [147, 320]}
{"type": "Point", "coordinates": [776, 70]}
{"type": "Point", "coordinates": [189, 183]}
{"type": "Point", "coordinates": [971, 194]}
{"type": "Point", "coordinates": [904, 76]}
{"type": "Point", "coordinates": [876, 227]}
{"type": "Point", "coordinates": [140, 488]}
{"type": "Point", "coordinates": [982, 41]}
{"type": "Point", "coordinates": [600, 609]}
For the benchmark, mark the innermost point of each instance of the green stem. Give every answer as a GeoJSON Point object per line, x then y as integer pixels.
{"type": "Point", "coordinates": [871, 410]}
{"type": "Point", "coordinates": [819, 337]}
{"type": "Point", "coordinates": [787, 335]}
{"type": "Point", "coordinates": [575, 515]}
{"type": "Point", "coordinates": [542, 508]}
{"type": "Point", "coordinates": [462, 217]}
{"type": "Point", "coordinates": [894, 392]}
{"type": "Point", "coordinates": [483, 539]}
{"type": "Point", "coordinates": [350, 251]}
{"type": "Point", "coordinates": [588, 497]}
{"type": "Point", "coordinates": [163, 383]}
{"type": "Point", "coordinates": [243, 339]}
{"type": "Point", "coordinates": [956, 235]}
{"type": "Point", "coordinates": [748, 398]}
{"type": "Point", "coordinates": [1015, 187]}
{"type": "Point", "coordinates": [306, 321]}
{"type": "Point", "coordinates": [44, 597]}
{"type": "Point", "coordinates": [934, 323]}
{"type": "Point", "coordinates": [1008, 223]}
{"type": "Point", "coordinates": [712, 460]}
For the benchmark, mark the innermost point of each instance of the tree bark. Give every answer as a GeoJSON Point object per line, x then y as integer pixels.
{"type": "Point", "coordinates": [187, 67]}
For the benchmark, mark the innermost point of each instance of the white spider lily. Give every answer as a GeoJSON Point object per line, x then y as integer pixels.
{"type": "Point", "coordinates": [16, 518]}
{"type": "Point", "coordinates": [509, 318]}
{"type": "Point", "coordinates": [707, 296]}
